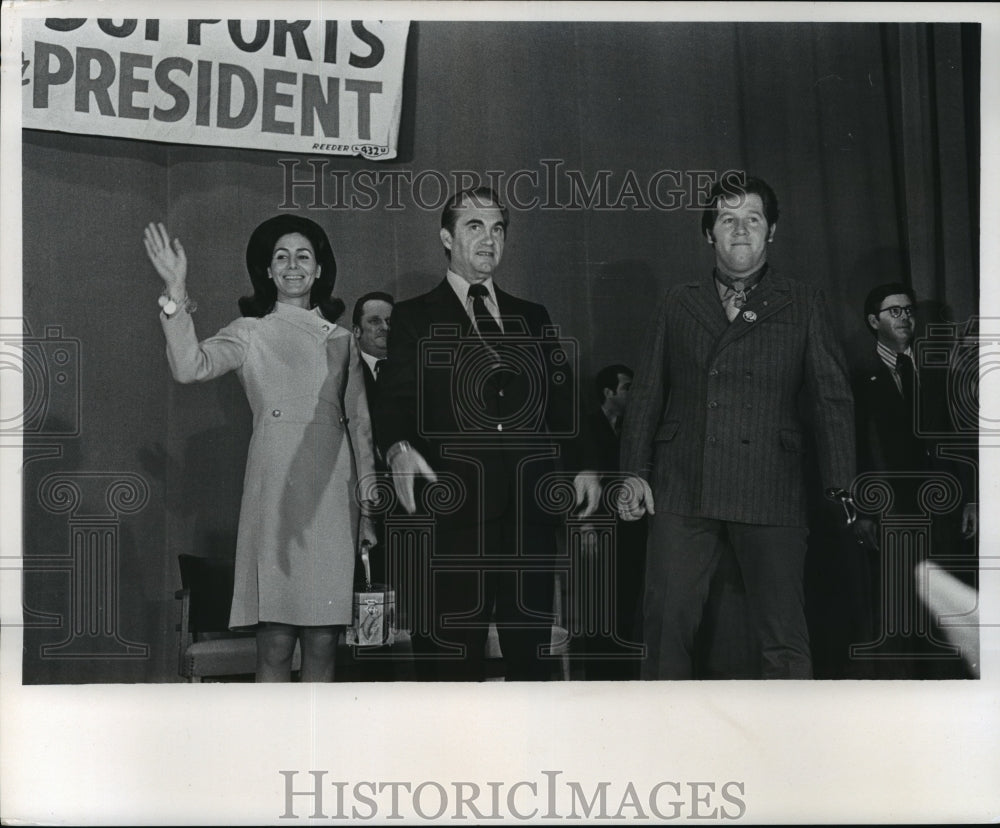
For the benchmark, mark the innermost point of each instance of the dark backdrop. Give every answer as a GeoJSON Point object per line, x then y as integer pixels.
{"type": "Point", "coordinates": [868, 133]}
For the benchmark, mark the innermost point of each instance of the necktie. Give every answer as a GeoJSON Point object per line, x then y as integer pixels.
{"type": "Point", "coordinates": [485, 323]}
{"type": "Point", "coordinates": [904, 367]}
{"type": "Point", "coordinates": [734, 298]}
{"type": "Point", "coordinates": [378, 367]}
{"type": "Point", "coordinates": [734, 292]}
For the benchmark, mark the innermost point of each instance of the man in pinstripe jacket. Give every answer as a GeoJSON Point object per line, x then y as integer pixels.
{"type": "Point", "coordinates": [716, 444]}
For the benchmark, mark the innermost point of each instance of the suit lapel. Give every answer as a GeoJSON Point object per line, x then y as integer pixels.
{"type": "Point", "coordinates": [771, 296]}
{"type": "Point", "coordinates": [702, 301]}
{"type": "Point", "coordinates": [513, 320]}
{"type": "Point", "coordinates": [371, 384]}
{"type": "Point", "coordinates": [514, 324]}
{"type": "Point", "coordinates": [444, 308]}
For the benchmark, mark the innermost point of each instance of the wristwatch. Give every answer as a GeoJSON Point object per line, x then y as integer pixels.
{"type": "Point", "coordinates": [170, 307]}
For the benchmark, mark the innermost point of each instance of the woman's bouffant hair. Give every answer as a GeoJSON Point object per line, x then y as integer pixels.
{"type": "Point", "coordinates": [260, 250]}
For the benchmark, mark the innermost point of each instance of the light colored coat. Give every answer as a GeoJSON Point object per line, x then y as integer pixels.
{"type": "Point", "coordinates": [311, 442]}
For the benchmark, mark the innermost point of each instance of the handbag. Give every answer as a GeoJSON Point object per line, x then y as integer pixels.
{"type": "Point", "coordinates": [373, 617]}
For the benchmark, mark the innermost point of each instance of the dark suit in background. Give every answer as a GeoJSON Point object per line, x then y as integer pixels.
{"type": "Point", "coordinates": [370, 322]}
{"type": "Point", "coordinates": [370, 327]}
{"type": "Point", "coordinates": [903, 436]}
{"type": "Point", "coordinates": [613, 654]}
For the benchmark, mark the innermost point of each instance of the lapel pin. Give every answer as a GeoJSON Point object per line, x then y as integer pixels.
{"type": "Point", "coordinates": [749, 316]}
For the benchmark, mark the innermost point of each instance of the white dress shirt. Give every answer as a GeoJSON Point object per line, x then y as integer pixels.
{"type": "Point", "coordinates": [461, 288]}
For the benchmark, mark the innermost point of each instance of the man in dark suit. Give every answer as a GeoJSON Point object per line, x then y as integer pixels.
{"type": "Point", "coordinates": [716, 445]}
{"type": "Point", "coordinates": [370, 323]}
{"type": "Point", "coordinates": [612, 384]}
{"type": "Point", "coordinates": [477, 398]}
{"type": "Point", "coordinates": [613, 630]}
{"type": "Point", "coordinates": [902, 420]}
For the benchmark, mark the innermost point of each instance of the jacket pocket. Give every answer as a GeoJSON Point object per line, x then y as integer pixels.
{"type": "Point", "coordinates": [666, 431]}
{"type": "Point", "coordinates": [791, 440]}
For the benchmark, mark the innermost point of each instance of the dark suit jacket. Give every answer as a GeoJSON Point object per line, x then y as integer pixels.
{"type": "Point", "coordinates": [714, 422]}
{"type": "Point", "coordinates": [371, 386]}
{"type": "Point", "coordinates": [372, 393]}
{"type": "Point", "coordinates": [498, 430]}
{"type": "Point", "coordinates": [605, 442]}
{"type": "Point", "coordinates": [889, 430]}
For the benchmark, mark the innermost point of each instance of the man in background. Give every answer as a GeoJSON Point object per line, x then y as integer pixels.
{"type": "Point", "coordinates": [902, 416]}
{"type": "Point", "coordinates": [370, 324]}
{"type": "Point", "coordinates": [612, 623]}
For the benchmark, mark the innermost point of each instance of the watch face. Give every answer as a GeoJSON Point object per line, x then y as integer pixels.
{"type": "Point", "coordinates": [170, 308]}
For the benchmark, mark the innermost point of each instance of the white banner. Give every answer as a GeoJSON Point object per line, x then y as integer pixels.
{"type": "Point", "coordinates": [330, 87]}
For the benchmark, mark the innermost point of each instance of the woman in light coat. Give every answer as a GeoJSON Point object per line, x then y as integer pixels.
{"type": "Point", "coordinates": [301, 516]}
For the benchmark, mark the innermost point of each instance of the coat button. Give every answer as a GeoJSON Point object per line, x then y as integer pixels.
{"type": "Point", "coordinates": [710, 441]}
{"type": "Point", "coordinates": [276, 413]}
{"type": "Point", "coordinates": [714, 372]}
{"type": "Point", "coordinates": [713, 404]}
{"type": "Point", "coordinates": [326, 327]}
{"type": "Point", "coordinates": [500, 392]}
{"type": "Point", "coordinates": [345, 420]}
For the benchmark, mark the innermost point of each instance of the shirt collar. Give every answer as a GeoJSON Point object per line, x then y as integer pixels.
{"type": "Point", "coordinates": [370, 360]}
{"type": "Point", "coordinates": [611, 418]}
{"type": "Point", "coordinates": [747, 283]}
{"type": "Point", "coordinates": [888, 356]}
{"type": "Point", "coordinates": [461, 288]}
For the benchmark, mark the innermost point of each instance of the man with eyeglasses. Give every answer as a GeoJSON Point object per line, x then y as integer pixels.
{"type": "Point", "coordinates": [888, 392]}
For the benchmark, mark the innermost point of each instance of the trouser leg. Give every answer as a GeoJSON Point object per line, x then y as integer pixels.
{"type": "Point", "coordinates": [681, 555]}
{"type": "Point", "coordinates": [524, 595]}
{"type": "Point", "coordinates": [772, 560]}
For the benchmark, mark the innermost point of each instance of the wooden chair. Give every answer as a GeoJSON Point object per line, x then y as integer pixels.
{"type": "Point", "coordinates": [207, 648]}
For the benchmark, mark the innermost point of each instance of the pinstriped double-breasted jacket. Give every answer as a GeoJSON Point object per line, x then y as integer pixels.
{"type": "Point", "coordinates": [718, 411]}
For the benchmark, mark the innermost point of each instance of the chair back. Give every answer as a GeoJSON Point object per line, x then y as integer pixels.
{"type": "Point", "coordinates": [209, 582]}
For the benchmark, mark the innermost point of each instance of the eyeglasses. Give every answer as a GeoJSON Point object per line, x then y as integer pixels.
{"type": "Point", "coordinates": [896, 311]}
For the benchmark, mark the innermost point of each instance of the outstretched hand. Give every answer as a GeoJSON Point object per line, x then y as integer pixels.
{"type": "Point", "coordinates": [635, 499]}
{"type": "Point", "coordinates": [587, 488]}
{"type": "Point", "coordinates": [970, 520]}
{"type": "Point", "coordinates": [168, 258]}
{"type": "Point", "coordinates": [406, 467]}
